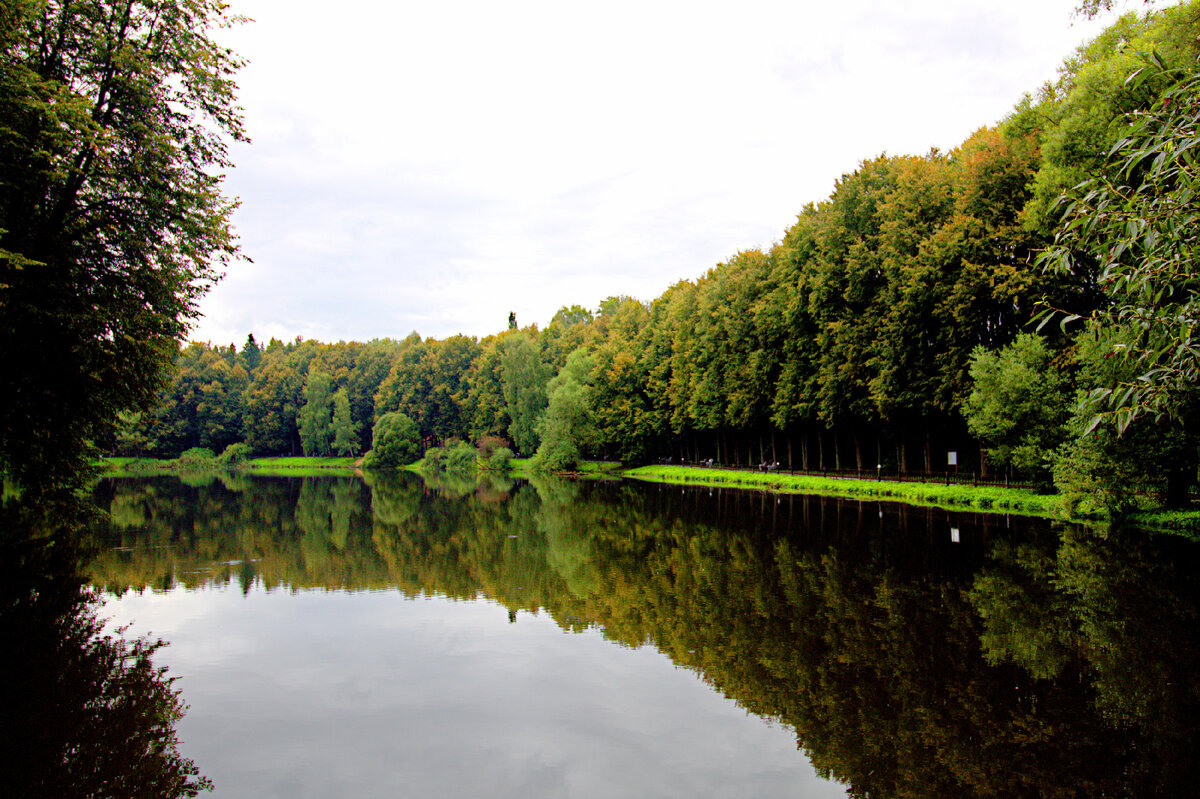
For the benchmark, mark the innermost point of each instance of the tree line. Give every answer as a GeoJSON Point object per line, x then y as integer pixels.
{"type": "Point", "coordinates": [893, 322]}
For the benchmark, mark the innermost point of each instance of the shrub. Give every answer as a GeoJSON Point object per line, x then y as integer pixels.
{"type": "Point", "coordinates": [197, 458]}
{"type": "Point", "coordinates": [500, 460]}
{"type": "Point", "coordinates": [556, 453]}
{"type": "Point", "coordinates": [455, 457]}
{"type": "Point", "coordinates": [235, 454]}
{"type": "Point", "coordinates": [462, 459]}
{"type": "Point", "coordinates": [395, 441]}
{"type": "Point", "coordinates": [486, 446]}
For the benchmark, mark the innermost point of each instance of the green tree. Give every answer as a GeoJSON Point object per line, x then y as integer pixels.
{"type": "Point", "coordinates": [272, 404]}
{"type": "Point", "coordinates": [1137, 222]}
{"type": "Point", "coordinates": [345, 431]}
{"type": "Point", "coordinates": [1075, 118]}
{"type": "Point", "coordinates": [568, 427]}
{"type": "Point", "coordinates": [1134, 225]}
{"type": "Point", "coordinates": [112, 222]}
{"type": "Point", "coordinates": [371, 368]}
{"type": "Point", "coordinates": [1019, 405]}
{"type": "Point", "coordinates": [396, 441]}
{"type": "Point", "coordinates": [524, 375]}
{"type": "Point", "coordinates": [251, 354]}
{"type": "Point", "coordinates": [202, 406]}
{"type": "Point", "coordinates": [1106, 471]}
{"type": "Point", "coordinates": [428, 382]}
{"type": "Point", "coordinates": [619, 382]}
{"type": "Point", "coordinates": [485, 405]}
{"type": "Point", "coordinates": [316, 430]}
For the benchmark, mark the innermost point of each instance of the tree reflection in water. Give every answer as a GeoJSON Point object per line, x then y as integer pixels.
{"type": "Point", "coordinates": [1026, 659]}
{"type": "Point", "coordinates": [85, 713]}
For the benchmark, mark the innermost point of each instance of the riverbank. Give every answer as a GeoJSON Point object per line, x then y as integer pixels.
{"type": "Point", "coordinates": [989, 499]}
{"type": "Point", "coordinates": [300, 466]}
{"type": "Point", "coordinates": [283, 466]}
{"type": "Point", "coordinates": [962, 497]}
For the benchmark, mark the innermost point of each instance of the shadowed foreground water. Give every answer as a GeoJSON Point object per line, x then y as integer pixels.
{"type": "Point", "coordinates": [389, 637]}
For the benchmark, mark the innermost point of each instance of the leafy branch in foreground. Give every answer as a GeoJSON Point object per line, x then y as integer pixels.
{"type": "Point", "coordinates": [1138, 226]}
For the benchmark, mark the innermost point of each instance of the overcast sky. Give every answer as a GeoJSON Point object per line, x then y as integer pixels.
{"type": "Point", "coordinates": [433, 165]}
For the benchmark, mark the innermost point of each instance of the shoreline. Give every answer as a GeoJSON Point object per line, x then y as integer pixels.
{"type": "Point", "coordinates": [987, 499]}
{"type": "Point", "coordinates": [984, 499]}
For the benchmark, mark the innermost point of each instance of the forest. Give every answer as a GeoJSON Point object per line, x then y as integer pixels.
{"type": "Point", "coordinates": [1024, 300]}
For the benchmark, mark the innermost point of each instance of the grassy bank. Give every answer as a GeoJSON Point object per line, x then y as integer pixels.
{"type": "Point", "coordinates": [1183, 522]}
{"type": "Point", "coordinates": [299, 466]}
{"type": "Point", "coordinates": [985, 498]}
{"type": "Point", "coordinates": [285, 466]}
{"type": "Point", "coordinates": [954, 497]}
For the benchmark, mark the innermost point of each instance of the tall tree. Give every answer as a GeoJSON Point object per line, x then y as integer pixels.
{"type": "Point", "coordinates": [370, 369]}
{"type": "Point", "coordinates": [316, 428]}
{"type": "Point", "coordinates": [568, 427]}
{"type": "Point", "coordinates": [273, 402]}
{"type": "Point", "coordinates": [251, 354]}
{"type": "Point", "coordinates": [345, 431]}
{"type": "Point", "coordinates": [524, 376]}
{"type": "Point", "coordinates": [1019, 405]}
{"type": "Point", "coordinates": [116, 115]}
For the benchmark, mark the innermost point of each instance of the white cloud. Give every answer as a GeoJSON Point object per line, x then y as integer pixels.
{"type": "Point", "coordinates": [433, 166]}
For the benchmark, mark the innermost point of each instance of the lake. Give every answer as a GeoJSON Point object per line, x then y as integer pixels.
{"type": "Point", "coordinates": [391, 636]}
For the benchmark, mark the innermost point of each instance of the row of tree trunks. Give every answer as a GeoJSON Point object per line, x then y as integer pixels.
{"type": "Point", "coordinates": [813, 448]}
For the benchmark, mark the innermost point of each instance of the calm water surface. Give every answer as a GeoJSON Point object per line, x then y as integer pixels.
{"type": "Point", "coordinates": [342, 637]}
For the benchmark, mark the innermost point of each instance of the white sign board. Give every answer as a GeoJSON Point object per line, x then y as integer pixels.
{"type": "Point", "coordinates": [952, 458]}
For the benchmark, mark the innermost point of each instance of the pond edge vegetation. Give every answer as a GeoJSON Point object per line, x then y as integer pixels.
{"type": "Point", "coordinates": [930, 493]}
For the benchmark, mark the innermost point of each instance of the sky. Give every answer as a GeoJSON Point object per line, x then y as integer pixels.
{"type": "Point", "coordinates": [431, 166]}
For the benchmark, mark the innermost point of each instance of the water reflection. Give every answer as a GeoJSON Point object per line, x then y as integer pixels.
{"type": "Point", "coordinates": [1018, 660]}
{"type": "Point", "coordinates": [84, 711]}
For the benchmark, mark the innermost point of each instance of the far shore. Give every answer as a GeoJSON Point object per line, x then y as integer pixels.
{"type": "Point", "coordinates": [987, 499]}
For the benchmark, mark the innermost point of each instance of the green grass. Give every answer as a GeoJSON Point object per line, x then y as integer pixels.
{"type": "Point", "coordinates": [982, 498]}
{"type": "Point", "coordinates": [958, 497]}
{"type": "Point", "coordinates": [135, 467]}
{"type": "Point", "coordinates": [519, 467]}
{"type": "Point", "coordinates": [1183, 522]}
{"type": "Point", "coordinates": [296, 465]}
{"type": "Point", "coordinates": [289, 466]}
{"type": "Point", "coordinates": [600, 469]}
{"type": "Point", "coordinates": [118, 463]}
